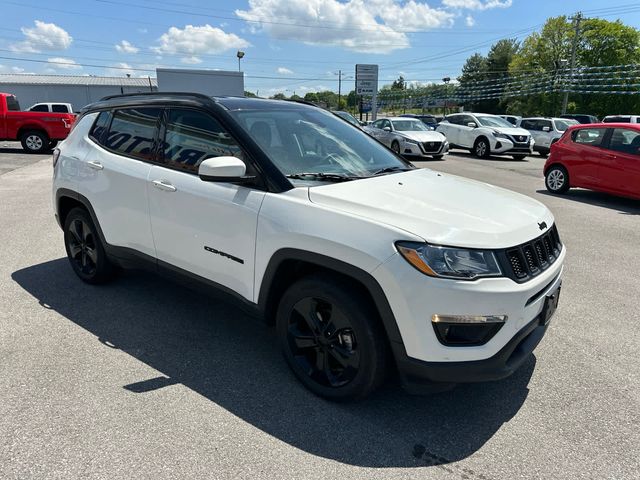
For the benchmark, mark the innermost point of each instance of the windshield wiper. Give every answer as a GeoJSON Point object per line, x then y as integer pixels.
{"type": "Point", "coordinates": [390, 170]}
{"type": "Point", "coordinates": [330, 177]}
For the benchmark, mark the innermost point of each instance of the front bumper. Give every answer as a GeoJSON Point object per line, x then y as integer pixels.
{"type": "Point", "coordinates": [506, 146]}
{"type": "Point", "coordinates": [418, 377]}
{"type": "Point", "coordinates": [410, 149]}
{"type": "Point", "coordinates": [423, 360]}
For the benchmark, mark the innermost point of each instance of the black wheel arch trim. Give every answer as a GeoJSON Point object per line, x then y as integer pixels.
{"type": "Point", "coordinates": [366, 279]}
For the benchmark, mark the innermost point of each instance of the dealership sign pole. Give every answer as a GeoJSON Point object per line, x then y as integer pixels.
{"type": "Point", "coordinates": [367, 86]}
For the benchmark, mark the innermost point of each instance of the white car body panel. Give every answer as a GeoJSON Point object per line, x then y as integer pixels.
{"type": "Point", "coordinates": [409, 141]}
{"type": "Point", "coordinates": [202, 214]}
{"type": "Point", "coordinates": [420, 202]}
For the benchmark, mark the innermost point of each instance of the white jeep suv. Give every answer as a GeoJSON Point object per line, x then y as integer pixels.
{"type": "Point", "coordinates": [365, 264]}
{"type": "Point", "coordinates": [485, 135]}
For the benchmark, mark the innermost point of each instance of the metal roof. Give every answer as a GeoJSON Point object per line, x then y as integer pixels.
{"type": "Point", "coordinates": [82, 80]}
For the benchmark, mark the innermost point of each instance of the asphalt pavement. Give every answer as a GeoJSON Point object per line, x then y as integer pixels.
{"type": "Point", "coordinates": [144, 378]}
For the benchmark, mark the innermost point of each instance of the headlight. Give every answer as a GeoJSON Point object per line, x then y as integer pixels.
{"type": "Point", "coordinates": [450, 262]}
{"type": "Point", "coordinates": [500, 135]}
{"type": "Point", "coordinates": [410, 142]}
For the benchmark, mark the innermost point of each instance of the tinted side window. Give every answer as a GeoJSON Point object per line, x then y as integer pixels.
{"type": "Point", "coordinates": [544, 123]}
{"type": "Point", "coordinates": [191, 136]}
{"type": "Point", "coordinates": [132, 132]}
{"type": "Point", "coordinates": [527, 124]}
{"type": "Point", "coordinates": [39, 108]}
{"type": "Point", "coordinates": [454, 119]}
{"type": "Point", "coordinates": [100, 127]}
{"type": "Point", "coordinates": [12, 104]}
{"type": "Point", "coordinates": [588, 136]}
{"type": "Point", "coordinates": [625, 141]}
{"type": "Point", "coordinates": [59, 108]}
{"type": "Point", "coordinates": [465, 119]}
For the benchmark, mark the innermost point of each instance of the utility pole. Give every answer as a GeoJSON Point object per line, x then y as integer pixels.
{"type": "Point", "coordinates": [577, 18]}
{"type": "Point", "coordinates": [339, 87]}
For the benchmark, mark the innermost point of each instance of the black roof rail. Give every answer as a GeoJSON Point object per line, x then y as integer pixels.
{"type": "Point", "coordinates": [304, 102]}
{"type": "Point", "coordinates": [152, 94]}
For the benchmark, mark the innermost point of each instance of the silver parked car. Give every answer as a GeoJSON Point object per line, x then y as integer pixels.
{"type": "Point", "coordinates": [545, 131]}
{"type": "Point", "coordinates": [409, 137]}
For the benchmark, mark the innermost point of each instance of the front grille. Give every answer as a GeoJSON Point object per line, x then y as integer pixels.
{"type": "Point", "coordinates": [520, 139]}
{"type": "Point", "coordinates": [530, 259]}
{"type": "Point", "coordinates": [431, 146]}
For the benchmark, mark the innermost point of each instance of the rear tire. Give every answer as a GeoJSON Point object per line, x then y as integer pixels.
{"type": "Point", "coordinates": [481, 148]}
{"type": "Point", "coordinates": [519, 157]}
{"type": "Point", "coordinates": [85, 251]}
{"type": "Point", "coordinates": [34, 141]}
{"type": "Point", "coordinates": [332, 338]}
{"type": "Point", "coordinates": [557, 179]}
{"type": "Point", "coordinates": [53, 144]}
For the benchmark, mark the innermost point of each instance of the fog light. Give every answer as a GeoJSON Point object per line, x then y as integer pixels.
{"type": "Point", "coordinates": [466, 330]}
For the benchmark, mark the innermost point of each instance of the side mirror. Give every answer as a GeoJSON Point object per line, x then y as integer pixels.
{"type": "Point", "coordinates": [546, 129]}
{"type": "Point", "coordinates": [472, 124]}
{"type": "Point", "coordinates": [223, 169]}
{"type": "Point", "coordinates": [386, 129]}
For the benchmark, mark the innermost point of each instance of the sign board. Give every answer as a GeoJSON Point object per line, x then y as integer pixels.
{"type": "Point", "coordinates": [366, 79]}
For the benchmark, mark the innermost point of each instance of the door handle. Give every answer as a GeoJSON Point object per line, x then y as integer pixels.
{"type": "Point", "coordinates": [163, 185]}
{"type": "Point", "coordinates": [95, 165]}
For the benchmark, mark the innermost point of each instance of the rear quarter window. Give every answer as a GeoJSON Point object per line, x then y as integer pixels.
{"type": "Point", "coordinates": [100, 127]}
{"type": "Point", "coordinates": [588, 136]}
{"type": "Point", "coordinates": [132, 132]}
{"type": "Point", "coordinates": [12, 104]}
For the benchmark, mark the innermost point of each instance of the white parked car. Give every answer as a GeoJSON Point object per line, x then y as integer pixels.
{"type": "Point", "coordinates": [409, 137]}
{"type": "Point", "coordinates": [366, 264]}
{"type": "Point", "coordinates": [545, 131]}
{"type": "Point", "coordinates": [485, 135]}
{"type": "Point", "coordinates": [621, 119]}
{"type": "Point", "coordinates": [51, 107]}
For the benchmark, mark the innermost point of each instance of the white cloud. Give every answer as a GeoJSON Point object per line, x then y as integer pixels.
{"type": "Point", "coordinates": [372, 26]}
{"type": "Point", "coordinates": [192, 60]}
{"type": "Point", "coordinates": [195, 40]}
{"type": "Point", "coordinates": [470, 21]}
{"type": "Point", "coordinates": [120, 69]}
{"type": "Point", "coordinates": [284, 71]}
{"type": "Point", "coordinates": [477, 4]}
{"type": "Point", "coordinates": [63, 63]}
{"type": "Point", "coordinates": [44, 36]}
{"type": "Point", "coordinates": [7, 69]}
{"type": "Point", "coordinates": [126, 47]}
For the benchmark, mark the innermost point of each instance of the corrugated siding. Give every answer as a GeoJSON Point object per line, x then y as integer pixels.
{"type": "Point", "coordinates": [78, 80]}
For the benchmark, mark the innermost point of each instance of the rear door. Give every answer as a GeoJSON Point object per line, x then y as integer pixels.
{"type": "Point", "coordinates": [205, 228]}
{"type": "Point", "coordinates": [587, 156]}
{"type": "Point", "coordinates": [620, 170]}
{"type": "Point", "coordinates": [114, 173]}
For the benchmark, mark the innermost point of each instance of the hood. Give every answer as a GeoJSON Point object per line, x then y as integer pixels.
{"type": "Point", "coordinates": [442, 209]}
{"type": "Point", "coordinates": [423, 136]}
{"type": "Point", "coordinates": [511, 130]}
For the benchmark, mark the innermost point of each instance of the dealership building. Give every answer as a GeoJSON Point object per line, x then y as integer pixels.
{"type": "Point", "coordinates": [81, 90]}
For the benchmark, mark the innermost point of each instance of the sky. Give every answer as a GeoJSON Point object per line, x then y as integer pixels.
{"type": "Point", "coordinates": [290, 45]}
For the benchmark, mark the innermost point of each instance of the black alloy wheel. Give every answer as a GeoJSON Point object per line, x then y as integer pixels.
{"type": "Point", "coordinates": [332, 338]}
{"type": "Point", "coordinates": [323, 342]}
{"type": "Point", "coordinates": [84, 249]}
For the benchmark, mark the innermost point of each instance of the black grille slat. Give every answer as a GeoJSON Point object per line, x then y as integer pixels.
{"type": "Point", "coordinates": [431, 146]}
{"type": "Point", "coordinates": [532, 258]}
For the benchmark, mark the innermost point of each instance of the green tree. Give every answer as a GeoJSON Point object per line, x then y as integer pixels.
{"type": "Point", "coordinates": [249, 94]}
{"type": "Point", "coordinates": [311, 97]}
{"type": "Point", "coordinates": [279, 96]}
{"type": "Point", "coordinates": [398, 84]}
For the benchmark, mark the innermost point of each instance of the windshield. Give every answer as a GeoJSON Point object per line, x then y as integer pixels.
{"type": "Point", "coordinates": [348, 117]}
{"type": "Point", "coordinates": [306, 140]}
{"type": "Point", "coordinates": [562, 125]}
{"type": "Point", "coordinates": [410, 126]}
{"type": "Point", "coordinates": [487, 121]}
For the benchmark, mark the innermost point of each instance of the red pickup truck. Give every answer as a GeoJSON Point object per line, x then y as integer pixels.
{"type": "Point", "coordinates": [37, 131]}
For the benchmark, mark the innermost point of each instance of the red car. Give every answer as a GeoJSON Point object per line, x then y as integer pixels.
{"type": "Point", "coordinates": [37, 131]}
{"type": "Point", "coordinates": [602, 156]}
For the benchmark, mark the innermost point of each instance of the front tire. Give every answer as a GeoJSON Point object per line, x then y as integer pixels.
{"type": "Point", "coordinates": [438, 157]}
{"type": "Point", "coordinates": [34, 141]}
{"type": "Point", "coordinates": [395, 146]}
{"type": "Point", "coordinates": [519, 157]}
{"type": "Point", "coordinates": [331, 338]}
{"type": "Point", "coordinates": [557, 179]}
{"type": "Point", "coordinates": [85, 251]}
{"type": "Point", "coordinates": [481, 148]}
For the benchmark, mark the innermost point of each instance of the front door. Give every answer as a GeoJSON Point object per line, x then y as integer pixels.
{"type": "Point", "coordinates": [620, 170]}
{"type": "Point", "coordinates": [205, 228]}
